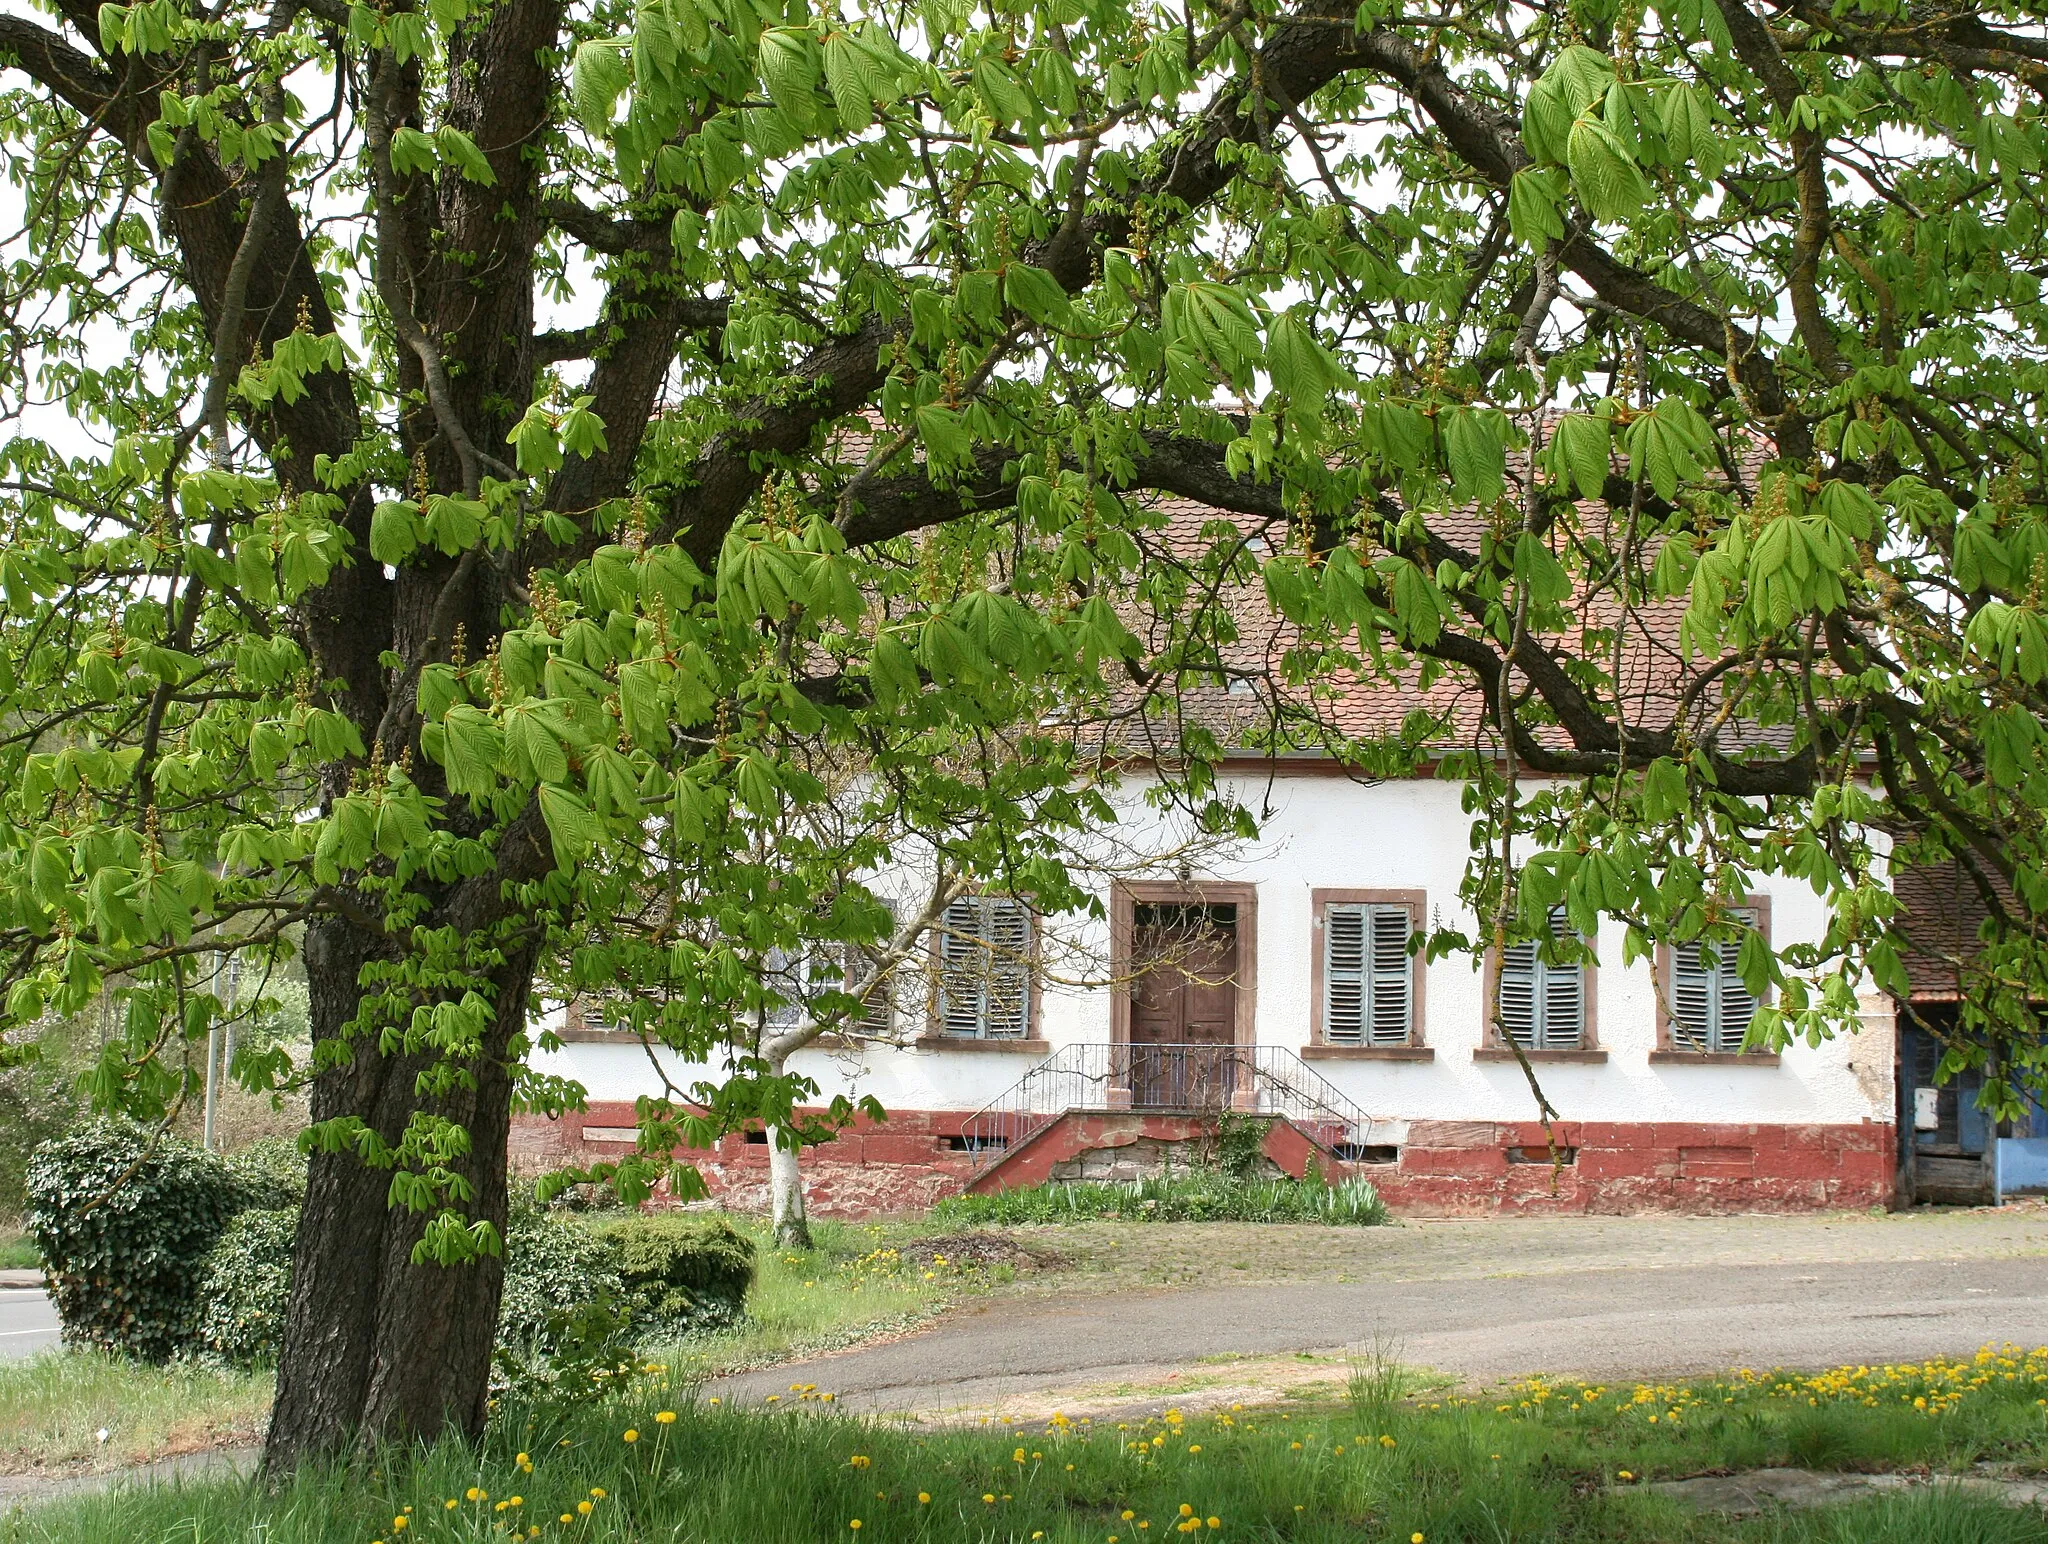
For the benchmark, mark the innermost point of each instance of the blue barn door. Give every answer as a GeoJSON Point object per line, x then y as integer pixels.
{"type": "Point", "coordinates": [1945, 1136]}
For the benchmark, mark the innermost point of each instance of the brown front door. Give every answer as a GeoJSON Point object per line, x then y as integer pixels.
{"type": "Point", "coordinates": [1183, 1006]}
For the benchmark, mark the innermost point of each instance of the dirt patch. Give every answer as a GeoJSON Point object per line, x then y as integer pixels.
{"type": "Point", "coordinates": [979, 1251]}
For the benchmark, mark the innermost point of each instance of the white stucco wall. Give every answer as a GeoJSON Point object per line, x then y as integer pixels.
{"type": "Point", "coordinates": [1326, 833]}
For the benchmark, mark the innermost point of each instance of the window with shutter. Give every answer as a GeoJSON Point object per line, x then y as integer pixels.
{"type": "Point", "coordinates": [779, 974]}
{"type": "Point", "coordinates": [1542, 1004]}
{"type": "Point", "coordinates": [1368, 975]}
{"type": "Point", "coordinates": [840, 968]}
{"type": "Point", "coordinates": [1710, 1007]}
{"type": "Point", "coordinates": [985, 968]}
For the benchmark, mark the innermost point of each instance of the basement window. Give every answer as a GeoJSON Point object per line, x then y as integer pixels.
{"type": "Point", "coordinates": [1359, 1152]}
{"type": "Point", "coordinates": [1538, 1153]}
{"type": "Point", "coordinates": [975, 1144]}
{"type": "Point", "coordinates": [757, 1139]}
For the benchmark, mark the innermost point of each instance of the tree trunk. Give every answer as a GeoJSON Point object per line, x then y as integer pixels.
{"type": "Point", "coordinates": [789, 1226]}
{"type": "Point", "coordinates": [792, 1229]}
{"type": "Point", "coordinates": [377, 1348]}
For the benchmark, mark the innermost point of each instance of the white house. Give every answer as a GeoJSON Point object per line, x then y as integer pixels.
{"type": "Point", "coordinates": [1281, 983]}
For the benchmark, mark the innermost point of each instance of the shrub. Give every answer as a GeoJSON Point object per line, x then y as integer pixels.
{"type": "Point", "coordinates": [269, 1174]}
{"type": "Point", "coordinates": [124, 1218]}
{"type": "Point", "coordinates": [553, 1267]}
{"type": "Point", "coordinates": [246, 1286]}
{"type": "Point", "coordinates": [1205, 1195]}
{"type": "Point", "coordinates": [564, 1329]}
{"type": "Point", "coordinates": [682, 1273]}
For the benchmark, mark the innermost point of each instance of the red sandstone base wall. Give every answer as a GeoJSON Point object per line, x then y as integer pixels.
{"type": "Point", "coordinates": [1445, 1168]}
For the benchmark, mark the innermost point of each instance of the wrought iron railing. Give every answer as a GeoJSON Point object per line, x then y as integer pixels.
{"type": "Point", "coordinates": [1252, 1079]}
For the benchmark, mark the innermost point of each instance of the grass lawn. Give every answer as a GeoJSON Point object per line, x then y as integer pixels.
{"type": "Point", "coordinates": [1551, 1463]}
{"type": "Point", "coordinates": [55, 1405]}
{"type": "Point", "coordinates": [17, 1253]}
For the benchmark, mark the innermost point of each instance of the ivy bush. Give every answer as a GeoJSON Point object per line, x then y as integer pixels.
{"type": "Point", "coordinates": [553, 1267]}
{"type": "Point", "coordinates": [246, 1285]}
{"type": "Point", "coordinates": [124, 1218]}
{"type": "Point", "coordinates": [269, 1174]}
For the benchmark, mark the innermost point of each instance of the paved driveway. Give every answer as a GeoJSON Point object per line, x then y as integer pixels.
{"type": "Point", "coordinates": [27, 1322]}
{"type": "Point", "coordinates": [1751, 1293]}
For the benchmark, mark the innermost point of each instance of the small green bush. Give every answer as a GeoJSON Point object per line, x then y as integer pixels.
{"type": "Point", "coordinates": [124, 1218]}
{"type": "Point", "coordinates": [1202, 1195]}
{"type": "Point", "coordinates": [553, 1267]}
{"type": "Point", "coordinates": [246, 1286]}
{"type": "Point", "coordinates": [565, 1328]}
{"type": "Point", "coordinates": [682, 1273]}
{"type": "Point", "coordinates": [269, 1174]}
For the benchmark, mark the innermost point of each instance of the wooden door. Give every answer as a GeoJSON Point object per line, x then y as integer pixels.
{"type": "Point", "coordinates": [1183, 1006]}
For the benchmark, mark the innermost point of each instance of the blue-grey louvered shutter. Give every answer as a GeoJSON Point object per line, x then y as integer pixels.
{"type": "Point", "coordinates": [1344, 975]}
{"type": "Point", "coordinates": [1393, 972]}
{"type": "Point", "coordinates": [1562, 1015]}
{"type": "Point", "coordinates": [1517, 994]}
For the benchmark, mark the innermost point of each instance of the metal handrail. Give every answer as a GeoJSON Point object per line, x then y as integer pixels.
{"type": "Point", "coordinates": [1265, 1080]}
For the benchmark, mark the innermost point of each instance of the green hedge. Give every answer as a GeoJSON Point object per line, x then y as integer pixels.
{"type": "Point", "coordinates": [124, 1219]}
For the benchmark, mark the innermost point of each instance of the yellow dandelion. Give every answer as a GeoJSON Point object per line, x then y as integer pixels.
{"type": "Point", "coordinates": [1194, 1447]}
{"type": "Point", "coordinates": [665, 1417]}
{"type": "Point", "coordinates": [1186, 1510]}
{"type": "Point", "coordinates": [583, 1509]}
{"type": "Point", "coordinates": [924, 1498]}
{"type": "Point", "coordinates": [854, 1525]}
{"type": "Point", "coordinates": [634, 1436]}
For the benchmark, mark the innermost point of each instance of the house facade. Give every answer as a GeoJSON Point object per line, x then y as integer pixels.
{"type": "Point", "coordinates": [1277, 981]}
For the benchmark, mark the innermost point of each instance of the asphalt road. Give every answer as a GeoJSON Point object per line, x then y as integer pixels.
{"type": "Point", "coordinates": [27, 1322]}
{"type": "Point", "coordinates": [1610, 1325]}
